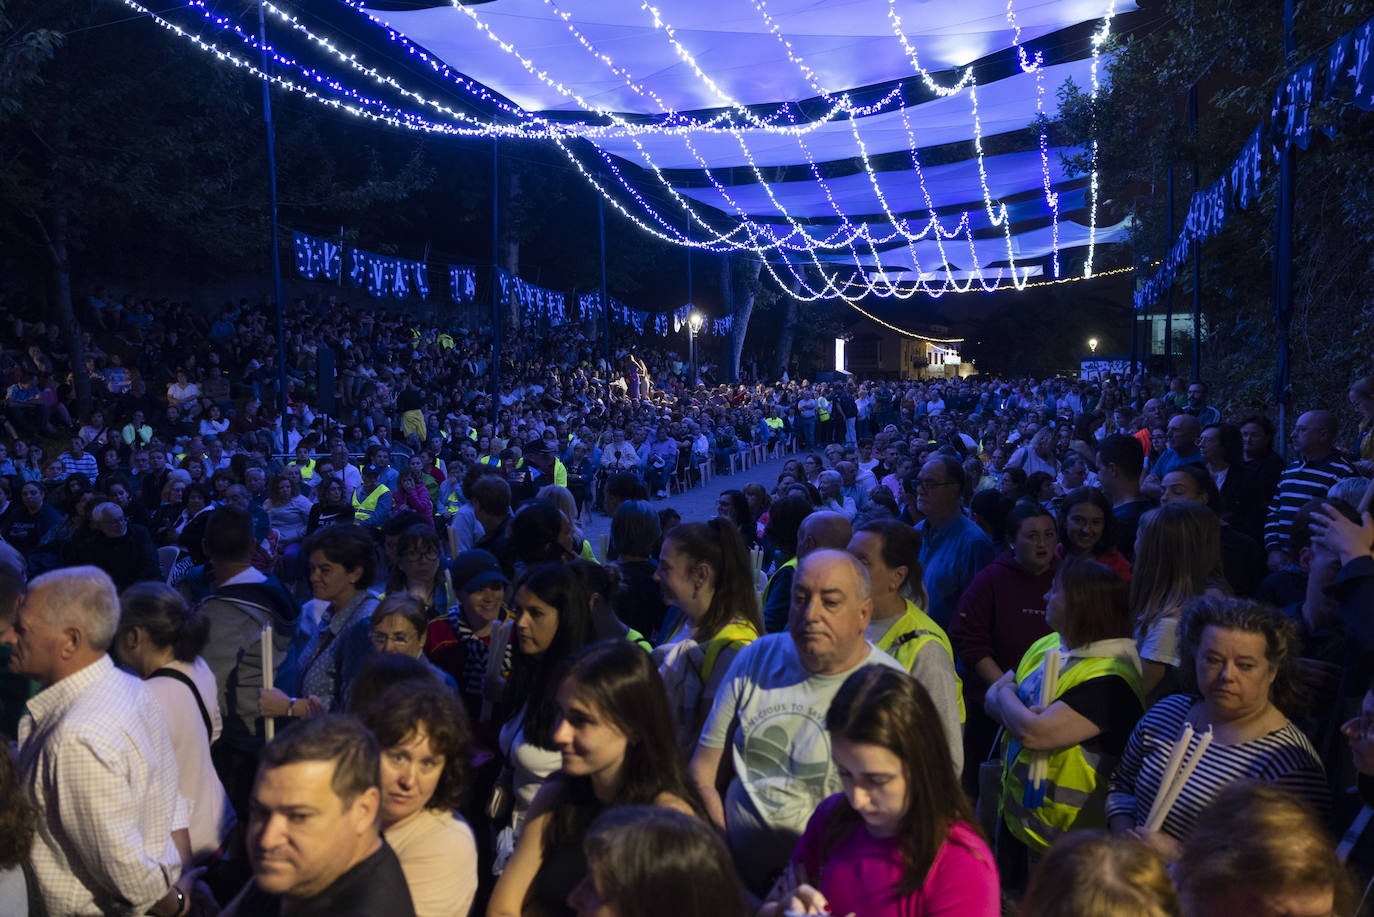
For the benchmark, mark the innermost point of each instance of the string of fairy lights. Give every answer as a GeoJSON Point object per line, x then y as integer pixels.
{"type": "Point", "coordinates": [785, 242]}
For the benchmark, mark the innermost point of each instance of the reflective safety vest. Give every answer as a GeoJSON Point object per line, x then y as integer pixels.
{"type": "Point", "coordinates": [307, 470]}
{"type": "Point", "coordinates": [446, 341]}
{"type": "Point", "coordinates": [1076, 780]}
{"type": "Point", "coordinates": [363, 510]}
{"type": "Point", "coordinates": [492, 460]}
{"type": "Point", "coordinates": [909, 634]}
{"type": "Point", "coordinates": [823, 409]}
{"type": "Point", "coordinates": [735, 635]}
{"type": "Point", "coordinates": [774, 578]}
{"type": "Point", "coordinates": [472, 434]}
{"type": "Point", "coordinates": [560, 473]}
{"type": "Point", "coordinates": [774, 423]}
{"type": "Point", "coordinates": [453, 502]}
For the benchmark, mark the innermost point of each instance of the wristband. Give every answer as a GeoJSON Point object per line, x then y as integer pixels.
{"type": "Point", "coordinates": [291, 707]}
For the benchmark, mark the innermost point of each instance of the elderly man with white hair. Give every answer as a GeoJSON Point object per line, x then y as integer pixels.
{"type": "Point", "coordinates": [95, 759]}
{"type": "Point", "coordinates": [833, 499]}
{"type": "Point", "coordinates": [771, 709]}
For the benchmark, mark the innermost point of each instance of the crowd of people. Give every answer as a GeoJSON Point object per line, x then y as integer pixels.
{"type": "Point", "coordinates": [1073, 647]}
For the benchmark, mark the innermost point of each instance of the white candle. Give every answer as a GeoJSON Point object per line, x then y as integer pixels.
{"type": "Point", "coordinates": [269, 724]}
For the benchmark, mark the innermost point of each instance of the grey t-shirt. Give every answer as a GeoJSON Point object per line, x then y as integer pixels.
{"type": "Point", "coordinates": [780, 748]}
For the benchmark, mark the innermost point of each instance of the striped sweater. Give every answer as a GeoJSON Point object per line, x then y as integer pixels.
{"type": "Point", "coordinates": [1301, 481]}
{"type": "Point", "coordinates": [1283, 758]}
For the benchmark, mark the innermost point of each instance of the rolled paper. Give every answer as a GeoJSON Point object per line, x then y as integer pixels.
{"type": "Point", "coordinates": [448, 589]}
{"type": "Point", "coordinates": [1180, 781]}
{"type": "Point", "coordinates": [603, 541]}
{"type": "Point", "coordinates": [452, 541]}
{"type": "Point", "coordinates": [269, 724]}
{"type": "Point", "coordinates": [1166, 780]}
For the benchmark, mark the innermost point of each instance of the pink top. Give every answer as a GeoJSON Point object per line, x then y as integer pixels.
{"type": "Point", "coordinates": [862, 873]}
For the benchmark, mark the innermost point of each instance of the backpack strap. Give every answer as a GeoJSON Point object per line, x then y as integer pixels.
{"type": "Point", "coordinates": [168, 672]}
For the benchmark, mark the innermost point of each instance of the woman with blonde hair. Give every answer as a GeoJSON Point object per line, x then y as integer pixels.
{"type": "Point", "coordinates": [1092, 873]}
{"type": "Point", "coordinates": [1177, 559]}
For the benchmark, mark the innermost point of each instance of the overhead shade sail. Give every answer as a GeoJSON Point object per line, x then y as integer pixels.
{"type": "Point", "coordinates": [957, 185]}
{"type": "Point", "coordinates": [1004, 106]}
{"type": "Point", "coordinates": [845, 44]}
{"type": "Point", "coordinates": [923, 256]}
{"type": "Point", "coordinates": [821, 132]}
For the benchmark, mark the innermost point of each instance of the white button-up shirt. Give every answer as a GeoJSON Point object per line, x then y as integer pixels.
{"type": "Point", "coordinates": [97, 761]}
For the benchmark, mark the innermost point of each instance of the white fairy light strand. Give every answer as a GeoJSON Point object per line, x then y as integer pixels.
{"type": "Point", "coordinates": [760, 237]}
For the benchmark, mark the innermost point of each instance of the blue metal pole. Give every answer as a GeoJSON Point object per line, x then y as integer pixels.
{"type": "Point", "coordinates": [276, 249]}
{"type": "Point", "coordinates": [495, 280]}
{"type": "Point", "coordinates": [1283, 247]}
{"type": "Point", "coordinates": [605, 296]}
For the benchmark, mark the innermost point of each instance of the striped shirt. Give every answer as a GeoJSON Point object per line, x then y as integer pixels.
{"type": "Point", "coordinates": [84, 464]}
{"type": "Point", "coordinates": [1283, 758]}
{"type": "Point", "coordinates": [96, 759]}
{"type": "Point", "coordinates": [1300, 482]}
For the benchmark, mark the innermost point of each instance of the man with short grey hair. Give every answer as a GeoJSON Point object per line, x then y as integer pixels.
{"type": "Point", "coordinates": [771, 707]}
{"type": "Point", "coordinates": [121, 548]}
{"type": "Point", "coordinates": [95, 759]}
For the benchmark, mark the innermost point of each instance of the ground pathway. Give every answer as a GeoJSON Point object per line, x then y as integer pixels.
{"type": "Point", "coordinates": [696, 504]}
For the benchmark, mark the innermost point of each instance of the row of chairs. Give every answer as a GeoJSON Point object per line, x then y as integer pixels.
{"type": "Point", "coordinates": [749, 455]}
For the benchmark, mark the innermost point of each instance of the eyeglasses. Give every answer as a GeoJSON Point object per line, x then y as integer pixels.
{"type": "Point", "coordinates": [928, 484]}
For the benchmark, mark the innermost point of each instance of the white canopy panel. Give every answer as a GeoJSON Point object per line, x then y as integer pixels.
{"type": "Point", "coordinates": [1004, 106]}
{"type": "Point", "coordinates": [846, 44]}
{"type": "Point", "coordinates": [1030, 245]}
{"type": "Point", "coordinates": [958, 184]}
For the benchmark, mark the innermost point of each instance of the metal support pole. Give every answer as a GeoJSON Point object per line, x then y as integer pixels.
{"type": "Point", "coordinates": [1169, 296]}
{"type": "Point", "coordinates": [282, 402]}
{"type": "Point", "coordinates": [495, 280]}
{"type": "Point", "coordinates": [605, 296]}
{"type": "Point", "coordinates": [1197, 273]}
{"type": "Point", "coordinates": [1283, 249]}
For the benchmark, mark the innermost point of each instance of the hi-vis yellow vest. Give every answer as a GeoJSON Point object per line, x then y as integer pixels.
{"type": "Point", "coordinates": [1076, 790]}
{"type": "Point", "coordinates": [909, 634]}
{"type": "Point", "coordinates": [364, 509]}
{"type": "Point", "coordinates": [773, 422]}
{"type": "Point", "coordinates": [823, 409]}
{"type": "Point", "coordinates": [307, 470]}
{"type": "Point", "coordinates": [774, 578]}
{"type": "Point", "coordinates": [734, 635]}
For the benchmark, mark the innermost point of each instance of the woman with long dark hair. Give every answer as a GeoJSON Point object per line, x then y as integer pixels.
{"type": "Point", "coordinates": [900, 839]}
{"type": "Point", "coordinates": [552, 621]}
{"type": "Point", "coordinates": [615, 740]}
{"type": "Point", "coordinates": [652, 860]}
{"type": "Point", "coordinates": [1087, 528]}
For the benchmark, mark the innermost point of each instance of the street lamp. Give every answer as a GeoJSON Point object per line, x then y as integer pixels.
{"type": "Point", "coordinates": [694, 321]}
{"type": "Point", "coordinates": [1092, 344]}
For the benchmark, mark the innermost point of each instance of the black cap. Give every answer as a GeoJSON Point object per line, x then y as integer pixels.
{"type": "Point", "coordinates": [471, 570]}
{"type": "Point", "coordinates": [537, 445]}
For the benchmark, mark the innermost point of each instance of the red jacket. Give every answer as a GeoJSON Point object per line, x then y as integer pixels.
{"type": "Point", "coordinates": [1000, 614]}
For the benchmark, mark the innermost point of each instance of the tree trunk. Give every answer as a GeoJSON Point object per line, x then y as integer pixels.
{"type": "Point", "coordinates": [60, 262]}
{"type": "Point", "coordinates": [743, 307]}
{"type": "Point", "coordinates": [783, 355]}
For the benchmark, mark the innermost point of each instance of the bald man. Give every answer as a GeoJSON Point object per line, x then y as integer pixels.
{"type": "Point", "coordinates": [1308, 478]}
{"type": "Point", "coordinates": [1181, 438]}
{"type": "Point", "coordinates": [824, 529]}
{"type": "Point", "coordinates": [771, 708]}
